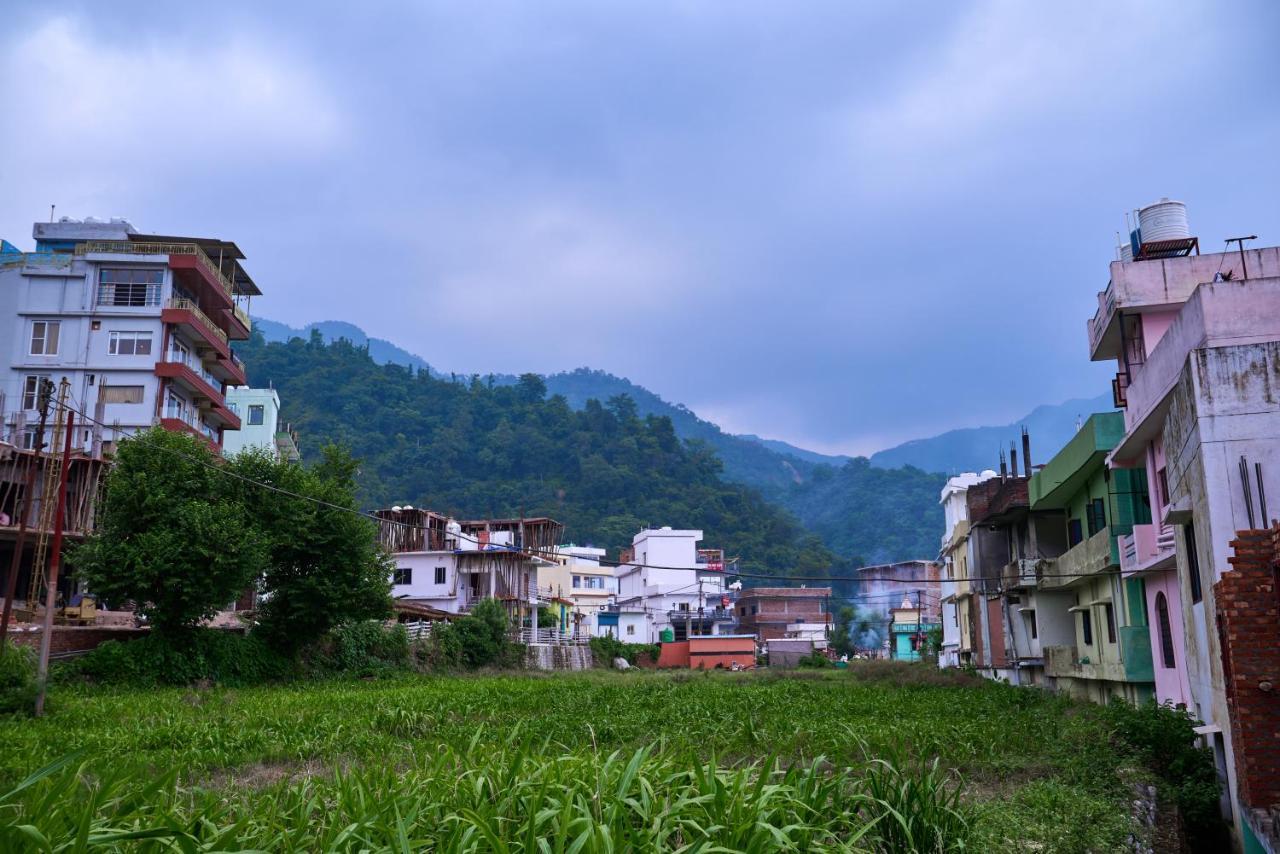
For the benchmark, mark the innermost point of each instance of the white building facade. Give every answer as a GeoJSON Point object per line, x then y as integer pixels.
{"type": "Point", "coordinates": [260, 424]}
{"type": "Point", "coordinates": [678, 586]}
{"type": "Point", "coordinates": [139, 325]}
{"type": "Point", "coordinates": [956, 514]}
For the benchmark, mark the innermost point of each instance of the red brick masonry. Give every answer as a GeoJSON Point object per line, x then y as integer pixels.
{"type": "Point", "coordinates": [67, 639]}
{"type": "Point", "coordinates": [1248, 608]}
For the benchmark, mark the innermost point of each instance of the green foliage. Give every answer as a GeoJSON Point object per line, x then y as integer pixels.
{"type": "Point", "coordinates": [547, 619]}
{"type": "Point", "coordinates": [166, 539]}
{"type": "Point", "coordinates": [324, 565]}
{"type": "Point", "coordinates": [200, 655]}
{"type": "Point", "coordinates": [475, 450]}
{"type": "Point", "coordinates": [368, 648]}
{"type": "Point", "coordinates": [483, 634]}
{"type": "Point", "coordinates": [1163, 738]}
{"type": "Point", "coordinates": [606, 648]}
{"type": "Point", "coordinates": [631, 761]}
{"type": "Point", "coordinates": [814, 661]}
{"type": "Point", "coordinates": [841, 628]}
{"type": "Point", "coordinates": [17, 678]}
{"type": "Point", "coordinates": [882, 515]}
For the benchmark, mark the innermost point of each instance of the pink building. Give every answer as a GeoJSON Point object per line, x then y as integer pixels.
{"type": "Point", "coordinates": [1196, 339]}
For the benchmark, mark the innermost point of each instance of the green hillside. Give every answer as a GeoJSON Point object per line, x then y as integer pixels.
{"type": "Point", "coordinates": [479, 449]}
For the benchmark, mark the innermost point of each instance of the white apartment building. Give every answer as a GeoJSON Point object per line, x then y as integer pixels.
{"type": "Point", "coordinates": [260, 425]}
{"type": "Point", "coordinates": [679, 586]}
{"type": "Point", "coordinates": [952, 556]}
{"type": "Point", "coordinates": [140, 325]}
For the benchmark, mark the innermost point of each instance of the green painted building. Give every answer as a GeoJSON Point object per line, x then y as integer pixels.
{"type": "Point", "coordinates": [1106, 615]}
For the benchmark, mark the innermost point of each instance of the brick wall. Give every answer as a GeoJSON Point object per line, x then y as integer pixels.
{"type": "Point", "coordinates": [1248, 610]}
{"type": "Point", "coordinates": [69, 639]}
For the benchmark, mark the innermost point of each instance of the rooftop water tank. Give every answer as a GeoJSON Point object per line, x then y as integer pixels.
{"type": "Point", "coordinates": [1165, 220]}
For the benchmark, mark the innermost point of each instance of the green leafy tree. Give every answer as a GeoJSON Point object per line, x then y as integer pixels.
{"type": "Point", "coordinates": [841, 640]}
{"type": "Point", "coordinates": [166, 539]}
{"type": "Point", "coordinates": [483, 633]}
{"type": "Point", "coordinates": [325, 567]}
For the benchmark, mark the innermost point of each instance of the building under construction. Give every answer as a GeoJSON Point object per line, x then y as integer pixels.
{"type": "Point", "coordinates": [26, 479]}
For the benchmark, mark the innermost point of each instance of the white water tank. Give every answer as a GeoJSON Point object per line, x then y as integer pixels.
{"type": "Point", "coordinates": [1165, 220]}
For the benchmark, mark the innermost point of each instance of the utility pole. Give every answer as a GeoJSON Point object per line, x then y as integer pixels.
{"type": "Point", "coordinates": [55, 557]}
{"type": "Point", "coordinates": [44, 391]}
{"type": "Point", "coordinates": [700, 606]}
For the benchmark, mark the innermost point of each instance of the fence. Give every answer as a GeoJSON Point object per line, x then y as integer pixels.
{"type": "Point", "coordinates": [548, 637]}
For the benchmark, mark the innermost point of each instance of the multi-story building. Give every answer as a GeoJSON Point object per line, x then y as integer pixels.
{"type": "Point", "coordinates": [450, 565]}
{"type": "Point", "coordinates": [772, 613]}
{"type": "Point", "coordinates": [882, 586]}
{"type": "Point", "coordinates": [1091, 623]}
{"type": "Point", "coordinates": [575, 574]}
{"type": "Point", "coordinates": [260, 424]}
{"type": "Point", "coordinates": [954, 558]}
{"type": "Point", "coordinates": [1196, 340]}
{"type": "Point", "coordinates": [909, 632]}
{"type": "Point", "coordinates": [1008, 625]}
{"type": "Point", "coordinates": [678, 585]}
{"type": "Point", "coordinates": [141, 326]}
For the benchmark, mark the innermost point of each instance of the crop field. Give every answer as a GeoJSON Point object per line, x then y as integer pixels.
{"type": "Point", "coordinates": [889, 758]}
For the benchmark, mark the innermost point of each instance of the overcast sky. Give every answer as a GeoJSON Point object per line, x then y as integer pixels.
{"type": "Point", "coordinates": [840, 224]}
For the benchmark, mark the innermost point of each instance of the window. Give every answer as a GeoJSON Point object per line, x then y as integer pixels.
{"type": "Point", "coordinates": [31, 391]}
{"type": "Point", "coordinates": [178, 351]}
{"type": "Point", "coordinates": [1110, 613]}
{"type": "Point", "coordinates": [440, 575]}
{"type": "Point", "coordinates": [682, 606]}
{"type": "Point", "coordinates": [577, 581]}
{"type": "Point", "coordinates": [120, 394]}
{"type": "Point", "coordinates": [256, 413]}
{"type": "Point", "coordinates": [1193, 560]}
{"type": "Point", "coordinates": [402, 575]}
{"type": "Point", "coordinates": [129, 287]}
{"type": "Point", "coordinates": [1086, 627]}
{"type": "Point", "coordinates": [1096, 515]}
{"type": "Point", "coordinates": [1074, 534]}
{"type": "Point", "coordinates": [755, 609]}
{"type": "Point", "coordinates": [129, 344]}
{"type": "Point", "coordinates": [29, 439]}
{"type": "Point", "coordinates": [742, 612]}
{"type": "Point", "coordinates": [631, 628]}
{"type": "Point", "coordinates": [1031, 619]}
{"type": "Point", "coordinates": [1166, 631]}
{"type": "Point", "coordinates": [1162, 483]}
{"type": "Point", "coordinates": [44, 337]}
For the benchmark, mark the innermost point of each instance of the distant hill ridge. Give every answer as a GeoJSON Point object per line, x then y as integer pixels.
{"type": "Point", "coordinates": [877, 510]}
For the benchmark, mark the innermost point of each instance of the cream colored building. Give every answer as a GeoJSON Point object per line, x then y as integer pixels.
{"type": "Point", "coordinates": [577, 575]}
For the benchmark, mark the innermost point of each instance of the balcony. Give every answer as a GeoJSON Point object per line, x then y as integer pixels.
{"type": "Point", "coordinates": [1082, 562]}
{"type": "Point", "coordinates": [181, 257]}
{"type": "Point", "coordinates": [198, 386]}
{"type": "Point", "coordinates": [1064, 662]}
{"type": "Point", "coordinates": [1021, 573]}
{"type": "Point", "coordinates": [1150, 548]}
{"type": "Point", "coordinates": [1163, 283]}
{"type": "Point", "coordinates": [715, 615]}
{"type": "Point", "coordinates": [1064, 476]}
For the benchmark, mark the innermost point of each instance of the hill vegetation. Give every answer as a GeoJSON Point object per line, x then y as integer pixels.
{"type": "Point", "coordinates": [477, 449]}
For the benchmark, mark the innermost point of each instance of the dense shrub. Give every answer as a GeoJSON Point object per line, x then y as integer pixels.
{"type": "Point", "coordinates": [214, 655]}
{"type": "Point", "coordinates": [17, 678]}
{"type": "Point", "coordinates": [1163, 738]}
{"type": "Point", "coordinates": [815, 661]}
{"type": "Point", "coordinates": [605, 649]}
{"type": "Point", "coordinates": [483, 635]}
{"type": "Point", "coordinates": [441, 650]}
{"type": "Point", "coordinates": [367, 648]}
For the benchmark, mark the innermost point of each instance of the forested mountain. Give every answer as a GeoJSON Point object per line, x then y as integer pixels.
{"type": "Point", "coordinates": [756, 462]}
{"type": "Point", "coordinates": [978, 448]}
{"type": "Point", "coordinates": [871, 515]}
{"type": "Point", "coordinates": [479, 449]}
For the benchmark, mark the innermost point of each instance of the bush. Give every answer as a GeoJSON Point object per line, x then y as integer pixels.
{"type": "Point", "coordinates": [1163, 739]}
{"type": "Point", "coordinates": [605, 649]}
{"type": "Point", "coordinates": [441, 650]}
{"type": "Point", "coordinates": [814, 661]}
{"type": "Point", "coordinates": [483, 635]}
{"type": "Point", "coordinates": [17, 678]}
{"type": "Point", "coordinates": [367, 648]}
{"type": "Point", "coordinates": [214, 655]}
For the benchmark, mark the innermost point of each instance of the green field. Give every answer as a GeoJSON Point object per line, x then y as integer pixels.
{"type": "Point", "coordinates": [887, 758]}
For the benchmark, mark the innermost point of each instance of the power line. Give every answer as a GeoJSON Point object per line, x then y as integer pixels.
{"type": "Point", "coordinates": [541, 553]}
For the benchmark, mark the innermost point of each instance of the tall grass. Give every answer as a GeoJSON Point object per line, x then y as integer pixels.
{"type": "Point", "coordinates": [591, 762]}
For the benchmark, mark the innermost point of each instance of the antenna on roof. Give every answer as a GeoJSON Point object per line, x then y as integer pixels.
{"type": "Point", "coordinates": [52, 208]}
